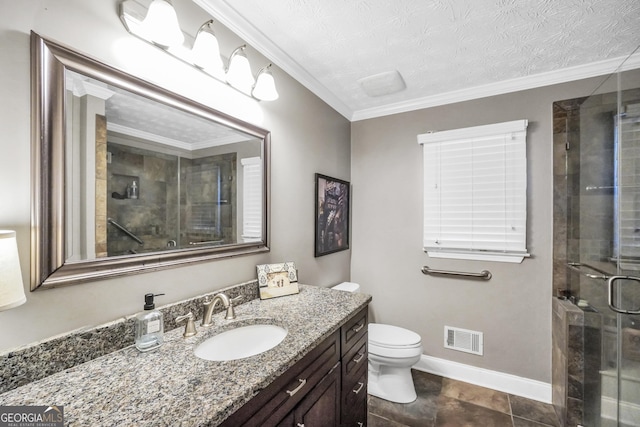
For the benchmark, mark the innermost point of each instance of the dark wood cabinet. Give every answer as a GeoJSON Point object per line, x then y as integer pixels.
{"type": "Point", "coordinates": [353, 342]}
{"type": "Point", "coordinates": [272, 405]}
{"type": "Point", "coordinates": [321, 407]}
{"type": "Point", "coordinates": [327, 388]}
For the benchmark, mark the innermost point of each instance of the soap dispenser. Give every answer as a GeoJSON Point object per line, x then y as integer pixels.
{"type": "Point", "coordinates": [149, 326]}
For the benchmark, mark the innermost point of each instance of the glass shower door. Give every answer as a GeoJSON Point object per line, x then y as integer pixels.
{"type": "Point", "coordinates": [623, 290]}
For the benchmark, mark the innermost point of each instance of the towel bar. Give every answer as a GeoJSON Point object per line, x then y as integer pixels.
{"type": "Point", "coordinates": [576, 266]}
{"type": "Point", "coordinates": [484, 274]}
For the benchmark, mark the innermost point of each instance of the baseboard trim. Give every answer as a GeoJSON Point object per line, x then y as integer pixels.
{"type": "Point", "coordinates": [520, 386]}
{"type": "Point", "coordinates": [629, 412]}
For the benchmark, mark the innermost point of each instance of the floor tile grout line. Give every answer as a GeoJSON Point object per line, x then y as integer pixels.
{"type": "Point", "coordinates": [513, 422]}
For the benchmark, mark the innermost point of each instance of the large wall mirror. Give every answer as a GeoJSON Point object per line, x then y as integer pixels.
{"type": "Point", "coordinates": [129, 177]}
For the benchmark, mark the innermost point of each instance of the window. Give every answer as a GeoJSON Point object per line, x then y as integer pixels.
{"type": "Point", "coordinates": [475, 185]}
{"type": "Point", "coordinates": [251, 199]}
{"type": "Point", "coordinates": [626, 216]}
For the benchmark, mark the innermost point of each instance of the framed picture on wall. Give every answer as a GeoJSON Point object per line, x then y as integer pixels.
{"type": "Point", "coordinates": [331, 215]}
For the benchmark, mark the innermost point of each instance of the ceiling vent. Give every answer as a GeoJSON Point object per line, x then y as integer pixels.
{"type": "Point", "coordinates": [383, 84]}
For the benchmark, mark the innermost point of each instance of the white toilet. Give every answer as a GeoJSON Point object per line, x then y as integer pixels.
{"type": "Point", "coordinates": [392, 353]}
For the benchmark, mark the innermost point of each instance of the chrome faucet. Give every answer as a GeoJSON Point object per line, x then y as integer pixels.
{"type": "Point", "coordinates": [210, 305]}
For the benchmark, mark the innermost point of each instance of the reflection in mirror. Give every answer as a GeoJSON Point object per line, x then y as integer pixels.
{"type": "Point", "coordinates": [130, 177]}
{"type": "Point", "coordinates": [164, 179]}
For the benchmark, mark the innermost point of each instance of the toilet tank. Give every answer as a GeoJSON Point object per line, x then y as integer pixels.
{"type": "Point", "coordinates": [347, 286]}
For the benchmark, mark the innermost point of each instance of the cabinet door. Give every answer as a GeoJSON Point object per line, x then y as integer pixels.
{"type": "Point", "coordinates": [321, 407]}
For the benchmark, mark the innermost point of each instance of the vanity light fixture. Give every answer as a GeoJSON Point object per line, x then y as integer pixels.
{"type": "Point", "coordinates": [205, 54]}
{"type": "Point", "coordinates": [161, 24]}
{"type": "Point", "coordinates": [265, 87]}
{"type": "Point", "coordinates": [11, 285]}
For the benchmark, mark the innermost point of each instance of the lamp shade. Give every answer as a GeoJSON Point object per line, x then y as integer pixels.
{"type": "Point", "coordinates": [239, 72]}
{"type": "Point", "coordinates": [206, 51]}
{"type": "Point", "coordinates": [11, 285]}
{"type": "Point", "coordinates": [161, 24]}
{"type": "Point", "coordinates": [265, 87]}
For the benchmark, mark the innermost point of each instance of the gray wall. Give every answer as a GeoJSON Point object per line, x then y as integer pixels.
{"type": "Point", "coordinates": [307, 137]}
{"type": "Point", "coordinates": [513, 309]}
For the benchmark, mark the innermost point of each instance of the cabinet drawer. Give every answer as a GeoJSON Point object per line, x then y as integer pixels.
{"type": "Point", "coordinates": [354, 329]}
{"type": "Point", "coordinates": [354, 399]}
{"type": "Point", "coordinates": [273, 403]}
{"type": "Point", "coordinates": [354, 359]}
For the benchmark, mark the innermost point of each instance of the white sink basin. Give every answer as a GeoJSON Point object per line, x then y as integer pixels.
{"type": "Point", "coordinates": [241, 342]}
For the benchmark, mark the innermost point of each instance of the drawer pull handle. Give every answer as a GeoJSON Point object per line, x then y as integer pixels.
{"type": "Point", "coordinates": [359, 389]}
{"type": "Point", "coordinates": [357, 329]}
{"type": "Point", "coordinates": [359, 358]}
{"type": "Point", "coordinates": [297, 389]}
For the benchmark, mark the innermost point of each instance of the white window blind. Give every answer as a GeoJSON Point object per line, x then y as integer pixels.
{"type": "Point", "coordinates": [251, 198]}
{"type": "Point", "coordinates": [475, 192]}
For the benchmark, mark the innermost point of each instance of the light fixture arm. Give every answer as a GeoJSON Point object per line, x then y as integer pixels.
{"type": "Point", "coordinates": [265, 68]}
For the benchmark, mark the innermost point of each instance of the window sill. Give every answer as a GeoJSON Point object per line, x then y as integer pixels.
{"type": "Point", "coordinates": [496, 257]}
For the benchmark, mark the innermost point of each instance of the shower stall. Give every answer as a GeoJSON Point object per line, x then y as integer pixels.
{"type": "Point", "coordinates": [179, 202]}
{"type": "Point", "coordinates": [596, 312]}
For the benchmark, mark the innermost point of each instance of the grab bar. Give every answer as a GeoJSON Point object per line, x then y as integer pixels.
{"type": "Point", "coordinates": [484, 274]}
{"type": "Point", "coordinates": [125, 231]}
{"type": "Point", "coordinates": [576, 266]}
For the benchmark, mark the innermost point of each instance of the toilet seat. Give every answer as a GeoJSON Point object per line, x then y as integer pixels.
{"type": "Point", "coordinates": [389, 336]}
{"type": "Point", "coordinates": [393, 342]}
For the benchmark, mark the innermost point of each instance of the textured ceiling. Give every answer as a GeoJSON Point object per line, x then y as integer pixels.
{"type": "Point", "coordinates": [445, 50]}
{"type": "Point", "coordinates": [138, 117]}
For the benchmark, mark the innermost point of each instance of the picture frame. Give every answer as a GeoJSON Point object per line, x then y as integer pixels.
{"type": "Point", "coordinates": [276, 280]}
{"type": "Point", "coordinates": [331, 215]}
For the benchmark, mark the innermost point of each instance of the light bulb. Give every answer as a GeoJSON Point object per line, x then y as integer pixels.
{"type": "Point", "coordinates": [161, 24]}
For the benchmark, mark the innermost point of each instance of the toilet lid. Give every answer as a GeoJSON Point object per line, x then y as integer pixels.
{"type": "Point", "coordinates": [392, 336]}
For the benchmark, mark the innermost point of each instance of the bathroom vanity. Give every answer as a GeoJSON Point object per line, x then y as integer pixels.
{"type": "Point", "coordinates": [318, 372]}
{"type": "Point", "coordinates": [327, 387]}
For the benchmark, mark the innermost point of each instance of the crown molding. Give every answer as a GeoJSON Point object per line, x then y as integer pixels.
{"type": "Point", "coordinates": [229, 17]}
{"type": "Point", "coordinates": [595, 69]}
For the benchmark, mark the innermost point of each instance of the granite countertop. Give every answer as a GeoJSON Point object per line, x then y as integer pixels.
{"type": "Point", "coordinates": [170, 386]}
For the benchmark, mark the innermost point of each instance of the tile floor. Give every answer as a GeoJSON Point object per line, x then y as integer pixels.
{"type": "Point", "coordinates": [444, 402]}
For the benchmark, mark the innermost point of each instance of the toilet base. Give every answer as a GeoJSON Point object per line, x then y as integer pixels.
{"type": "Point", "coordinates": [394, 384]}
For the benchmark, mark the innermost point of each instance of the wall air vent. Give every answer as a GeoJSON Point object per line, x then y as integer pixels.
{"type": "Point", "coordinates": [463, 340]}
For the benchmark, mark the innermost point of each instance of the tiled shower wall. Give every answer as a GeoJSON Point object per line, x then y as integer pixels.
{"type": "Point", "coordinates": [153, 215]}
